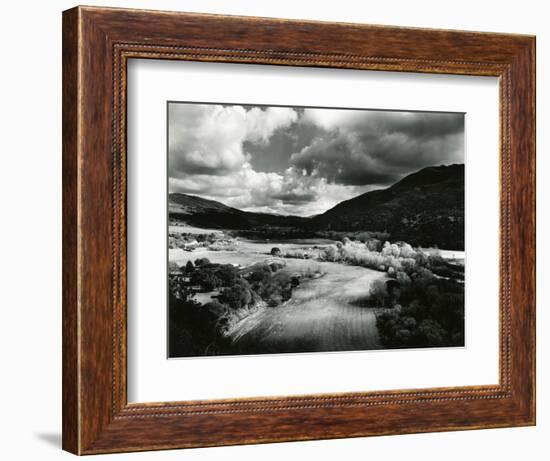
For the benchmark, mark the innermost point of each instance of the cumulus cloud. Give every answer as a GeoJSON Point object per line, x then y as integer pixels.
{"type": "Point", "coordinates": [301, 161]}
{"type": "Point", "coordinates": [289, 193]}
{"type": "Point", "coordinates": [208, 138]}
{"type": "Point", "coordinates": [262, 123]}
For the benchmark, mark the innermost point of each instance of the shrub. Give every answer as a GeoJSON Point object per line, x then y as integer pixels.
{"type": "Point", "coordinates": [215, 308]}
{"type": "Point", "coordinates": [260, 274]}
{"type": "Point", "coordinates": [189, 267]}
{"type": "Point", "coordinates": [201, 262]}
{"type": "Point", "coordinates": [275, 251]}
{"type": "Point", "coordinates": [296, 253]}
{"type": "Point", "coordinates": [403, 279]}
{"type": "Point", "coordinates": [192, 326]}
{"type": "Point", "coordinates": [237, 296]}
{"type": "Point", "coordinates": [406, 251]}
{"type": "Point", "coordinates": [227, 273]}
{"type": "Point", "coordinates": [275, 289]}
{"type": "Point", "coordinates": [330, 254]}
{"type": "Point", "coordinates": [408, 265]}
{"type": "Point", "coordinates": [378, 292]}
{"type": "Point", "coordinates": [223, 246]}
{"type": "Point", "coordinates": [390, 249]}
{"type": "Point", "coordinates": [430, 333]}
{"type": "Point", "coordinates": [373, 244]}
{"type": "Point", "coordinates": [173, 267]}
{"type": "Point", "coordinates": [433, 312]}
{"type": "Point", "coordinates": [275, 266]}
{"type": "Point", "coordinates": [206, 279]}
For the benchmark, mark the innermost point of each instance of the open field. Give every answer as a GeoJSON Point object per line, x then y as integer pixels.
{"type": "Point", "coordinates": [331, 307]}
{"type": "Point", "coordinates": [319, 317]}
{"type": "Point", "coordinates": [185, 229]}
{"type": "Point", "coordinates": [248, 251]}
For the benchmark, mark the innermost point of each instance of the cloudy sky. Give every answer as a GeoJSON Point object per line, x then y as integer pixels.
{"type": "Point", "coordinates": [301, 161]}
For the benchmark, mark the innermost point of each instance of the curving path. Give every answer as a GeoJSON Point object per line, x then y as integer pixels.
{"type": "Point", "coordinates": [319, 317]}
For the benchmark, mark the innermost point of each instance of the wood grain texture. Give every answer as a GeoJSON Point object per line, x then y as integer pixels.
{"type": "Point", "coordinates": [70, 384]}
{"type": "Point", "coordinates": [97, 43]}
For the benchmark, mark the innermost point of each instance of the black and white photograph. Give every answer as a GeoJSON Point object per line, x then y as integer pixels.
{"type": "Point", "coordinates": [309, 229]}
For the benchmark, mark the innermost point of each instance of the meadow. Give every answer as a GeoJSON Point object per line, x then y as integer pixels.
{"type": "Point", "coordinates": [232, 296]}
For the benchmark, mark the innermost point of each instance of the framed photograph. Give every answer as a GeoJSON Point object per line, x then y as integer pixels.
{"type": "Point", "coordinates": [282, 230]}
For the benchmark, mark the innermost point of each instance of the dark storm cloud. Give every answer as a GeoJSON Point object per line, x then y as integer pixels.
{"type": "Point", "coordinates": [296, 198]}
{"type": "Point", "coordinates": [374, 147]}
{"type": "Point", "coordinates": [275, 155]}
{"type": "Point", "coordinates": [419, 125]}
{"type": "Point", "coordinates": [341, 160]}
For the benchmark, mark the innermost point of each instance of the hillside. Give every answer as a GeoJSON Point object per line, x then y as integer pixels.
{"type": "Point", "coordinates": [425, 208]}
{"type": "Point", "coordinates": [209, 213]}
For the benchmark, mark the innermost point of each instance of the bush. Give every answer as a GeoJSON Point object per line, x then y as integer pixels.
{"type": "Point", "coordinates": [390, 249]}
{"type": "Point", "coordinates": [222, 246]}
{"type": "Point", "coordinates": [260, 274]}
{"type": "Point", "coordinates": [330, 254]}
{"type": "Point", "coordinates": [297, 253]}
{"type": "Point", "coordinates": [189, 267]}
{"type": "Point", "coordinates": [192, 326]}
{"type": "Point", "coordinates": [392, 257]}
{"type": "Point", "coordinates": [275, 251]}
{"type": "Point", "coordinates": [403, 279]}
{"type": "Point", "coordinates": [378, 292]}
{"type": "Point", "coordinates": [173, 267]}
{"type": "Point", "coordinates": [433, 312]}
{"type": "Point", "coordinates": [237, 296]}
{"type": "Point", "coordinates": [275, 266]}
{"type": "Point", "coordinates": [215, 308]}
{"type": "Point", "coordinates": [206, 279]}
{"type": "Point", "coordinates": [201, 262]}
{"type": "Point", "coordinates": [406, 251]}
{"type": "Point", "coordinates": [430, 333]}
{"type": "Point", "coordinates": [373, 244]}
{"type": "Point", "coordinates": [227, 273]}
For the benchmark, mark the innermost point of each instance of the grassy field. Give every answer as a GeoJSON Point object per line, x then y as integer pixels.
{"type": "Point", "coordinates": [329, 306]}
{"type": "Point", "coordinates": [321, 316]}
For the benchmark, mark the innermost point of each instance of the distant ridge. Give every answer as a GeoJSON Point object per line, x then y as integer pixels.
{"type": "Point", "coordinates": [425, 208]}
{"type": "Point", "coordinates": [209, 213]}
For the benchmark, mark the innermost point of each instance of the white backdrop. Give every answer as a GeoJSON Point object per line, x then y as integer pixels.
{"type": "Point", "coordinates": [30, 191]}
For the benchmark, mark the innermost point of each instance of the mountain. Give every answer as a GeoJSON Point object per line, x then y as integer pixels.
{"type": "Point", "coordinates": [425, 208]}
{"type": "Point", "coordinates": [202, 212]}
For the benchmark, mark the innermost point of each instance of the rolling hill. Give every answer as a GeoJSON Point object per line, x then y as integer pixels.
{"type": "Point", "coordinates": [202, 212]}
{"type": "Point", "coordinates": [425, 208]}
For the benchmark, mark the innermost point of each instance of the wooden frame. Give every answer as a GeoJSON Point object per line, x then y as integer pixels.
{"type": "Point", "coordinates": [97, 43]}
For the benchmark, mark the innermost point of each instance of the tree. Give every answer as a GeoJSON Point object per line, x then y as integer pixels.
{"type": "Point", "coordinates": [173, 268]}
{"type": "Point", "coordinates": [237, 296]}
{"type": "Point", "coordinates": [430, 333]}
{"type": "Point", "coordinates": [214, 308]}
{"type": "Point", "coordinates": [189, 267]}
{"type": "Point", "coordinates": [275, 251]}
{"type": "Point", "coordinates": [206, 279]}
{"type": "Point", "coordinates": [201, 261]}
{"type": "Point", "coordinates": [227, 274]}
